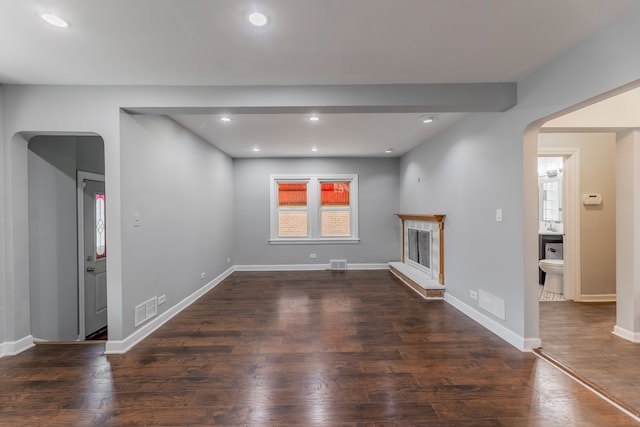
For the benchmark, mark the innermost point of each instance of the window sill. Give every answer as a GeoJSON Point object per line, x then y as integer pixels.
{"type": "Point", "coordinates": [328, 241]}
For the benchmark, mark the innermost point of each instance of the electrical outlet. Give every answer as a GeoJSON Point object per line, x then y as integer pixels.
{"type": "Point", "coordinates": [162, 299]}
{"type": "Point", "coordinates": [473, 294]}
{"type": "Point", "coordinates": [228, 260]}
{"type": "Point", "coordinates": [202, 275]}
{"type": "Point", "coordinates": [313, 256]}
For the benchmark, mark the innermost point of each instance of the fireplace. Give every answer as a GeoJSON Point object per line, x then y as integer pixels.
{"type": "Point", "coordinates": [419, 242]}
{"type": "Point", "coordinates": [422, 262]}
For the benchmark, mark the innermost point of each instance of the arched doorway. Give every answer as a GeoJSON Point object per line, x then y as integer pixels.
{"type": "Point", "coordinates": [55, 297]}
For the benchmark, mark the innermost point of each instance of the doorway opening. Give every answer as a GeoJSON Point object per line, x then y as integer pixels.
{"type": "Point", "coordinates": [551, 227]}
{"type": "Point", "coordinates": [56, 299]}
{"type": "Point", "coordinates": [92, 257]}
{"type": "Point", "coordinates": [569, 330]}
{"type": "Point", "coordinates": [564, 228]}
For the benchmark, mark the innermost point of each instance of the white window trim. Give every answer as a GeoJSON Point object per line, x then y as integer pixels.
{"type": "Point", "coordinates": [313, 209]}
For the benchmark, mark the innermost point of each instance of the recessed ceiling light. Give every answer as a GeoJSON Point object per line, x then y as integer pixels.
{"type": "Point", "coordinates": [258, 19]}
{"type": "Point", "coordinates": [427, 119]}
{"type": "Point", "coordinates": [225, 119]}
{"type": "Point", "coordinates": [54, 20]}
{"type": "Point", "coordinates": [314, 118]}
{"type": "Point", "coordinates": [314, 149]}
{"type": "Point", "coordinates": [388, 150]}
{"type": "Point", "coordinates": [256, 149]}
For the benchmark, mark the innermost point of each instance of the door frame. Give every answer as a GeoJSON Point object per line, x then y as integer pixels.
{"type": "Point", "coordinates": [82, 176]}
{"type": "Point", "coordinates": [570, 217]}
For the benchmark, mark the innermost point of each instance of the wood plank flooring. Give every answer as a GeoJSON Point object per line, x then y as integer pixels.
{"type": "Point", "coordinates": [301, 348]}
{"type": "Point", "coordinates": [579, 336]}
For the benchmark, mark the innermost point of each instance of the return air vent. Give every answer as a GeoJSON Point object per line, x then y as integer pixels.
{"type": "Point", "coordinates": [492, 304]}
{"type": "Point", "coordinates": [146, 311]}
{"type": "Point", "coordinates": [338, 264]}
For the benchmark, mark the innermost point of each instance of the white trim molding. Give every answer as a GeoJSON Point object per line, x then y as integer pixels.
{"type": "Point", "coordinates": [571, 216]}
{"type": "Point", "coordinates": [309, 267]}
{"type": "Point", "coordinates": [122, 346]}
{"type": "Point", "coordinates": [597, 298]}
{"type": "Point", "coordinates": [634, 337]}
{"type": "Point", "coordinates": [521, 343]}
{"type": "Point", "coordinates": [313, 208]}
{"type": "Point", "coordinates": [81, 177]}
{"type": "Point", "coordinates": [11, 348]}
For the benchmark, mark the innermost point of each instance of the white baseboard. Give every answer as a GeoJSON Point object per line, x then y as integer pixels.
{"type": "Point", "coordinates": [308, 267]}
{"type": "Point", "coordinates": [122, 346]}
{"type": "Point", "coordinates": [598, 298]}
{"type": "Point", "coordinates": [282, 267]}
{"type": "Point", "coordinates": [521, 343]}
{"type": "Point", "coordinates": [634, 337]}
{"type": "Point", "coordinates": [373, 266]}
{"type": "Point", "coordinates": [11, 348]}
{"type": "Point", "coordinates": [531, 344]}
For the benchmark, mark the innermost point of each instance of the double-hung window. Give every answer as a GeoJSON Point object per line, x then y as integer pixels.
{"type": "Point", "coordinates": [314, 208]}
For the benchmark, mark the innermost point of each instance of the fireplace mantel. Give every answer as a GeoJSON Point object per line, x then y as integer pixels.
{"type": "Point", "coordinates": [439, 218]}
{"type": "Point", "coordinates": [428, 282]}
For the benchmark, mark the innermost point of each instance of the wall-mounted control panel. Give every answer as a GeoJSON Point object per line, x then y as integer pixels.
{"type": "Point", "coordinates": [592, 199]}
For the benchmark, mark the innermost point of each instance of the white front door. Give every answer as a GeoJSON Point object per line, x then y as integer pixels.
{"type": "Point", "coordinates": [95, 257]}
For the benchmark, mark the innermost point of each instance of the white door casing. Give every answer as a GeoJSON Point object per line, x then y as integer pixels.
{"type": "Point", "coordinates": [92, 252]}
{"type": "Point", "coordinates": [570, 217]}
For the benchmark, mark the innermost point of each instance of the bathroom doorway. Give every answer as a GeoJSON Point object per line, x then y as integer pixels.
{"type": "Point", "coordinates": [564, 220]}
{"type": "Point", "coordinates": [550, 227]}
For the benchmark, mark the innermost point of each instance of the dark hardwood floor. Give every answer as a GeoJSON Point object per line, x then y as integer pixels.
{"type": "Point", "coordinates": [301, 348]}
{"type": "Point", "coordinates": [579, 336]}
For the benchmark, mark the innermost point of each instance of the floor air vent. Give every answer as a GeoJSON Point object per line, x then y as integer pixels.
{"type": "Point", "coordinates": [338, 264]}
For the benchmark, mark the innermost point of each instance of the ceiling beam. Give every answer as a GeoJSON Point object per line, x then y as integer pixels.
{"type": "Point", "coordinates": [385, 98]}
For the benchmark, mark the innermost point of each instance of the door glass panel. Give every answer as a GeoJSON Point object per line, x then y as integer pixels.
{"type": "Point", "coordinates": [100, 227]}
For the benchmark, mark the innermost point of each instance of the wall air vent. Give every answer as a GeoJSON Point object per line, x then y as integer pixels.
{"type": "Point", "coordinates": [338, 264]}
{"type": "Point", "coordinates": [145, 311]}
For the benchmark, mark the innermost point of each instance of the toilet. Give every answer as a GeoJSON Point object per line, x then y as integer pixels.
{"type": "Point", "coordinates": [555, 272]}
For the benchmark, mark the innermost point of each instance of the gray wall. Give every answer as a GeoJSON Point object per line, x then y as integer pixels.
{"type": "Point", "coordinates": [467, 173]}
{"type": "Point", "coordinates": [53, 162]}
{"type": "Point", "coordinates": [627, 236]}
{"type": "Point", "coordinates": [379, 229]}
{"type": "Point", "coordinates": [488, 161]}
{"type": "Point", "coordinates": [4, 318]}
{"type": "Point", "coordinates": [182, 188]}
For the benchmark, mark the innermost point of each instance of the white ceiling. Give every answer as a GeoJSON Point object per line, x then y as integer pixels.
{"type": "Point", "coordinates": [310, 42]}
{"type": "Point", "coordinates": [614, 113]}
{"type": "Point", "coordinates": [293, 135]}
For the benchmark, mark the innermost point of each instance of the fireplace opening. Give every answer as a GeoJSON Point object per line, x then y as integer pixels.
{"type": "Point", "coordinates": [420, 247]}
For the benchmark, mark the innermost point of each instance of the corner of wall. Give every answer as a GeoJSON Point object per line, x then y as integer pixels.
{"type": "Point", "coordinates": [3, 311]}
{"type": "Point", "coordinates": [519, 342]}
{"type": "Point", "coordinates": [11, 348]}
{"type": "Point", "coordinates": [122, 346]}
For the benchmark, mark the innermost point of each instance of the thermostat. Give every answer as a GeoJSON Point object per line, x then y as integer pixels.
{"type": "Point", "coordinates": [592, 199]}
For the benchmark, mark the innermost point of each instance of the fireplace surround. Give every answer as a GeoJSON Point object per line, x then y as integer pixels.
{"type": "Point", "coordinates": [422, 262]}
